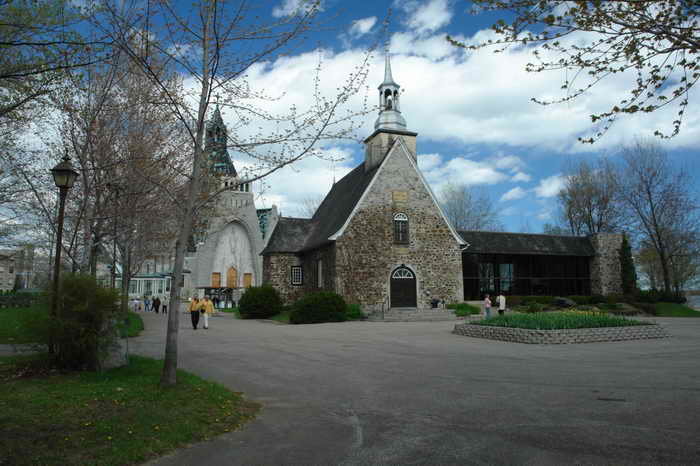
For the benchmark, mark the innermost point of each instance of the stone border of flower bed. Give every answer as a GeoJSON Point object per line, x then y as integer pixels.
{"type": "Point", "coordinates": [562, 336]}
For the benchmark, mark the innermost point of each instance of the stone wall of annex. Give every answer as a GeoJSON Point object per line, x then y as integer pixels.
{"type": "Point", "coordinates": [277, 271]}
{"type": "Point", "coordinates": [605, 265]}
{"type": "Point", "coordinates": [310, 260]}
{"type": "Point", "coordinates": [366, 253]}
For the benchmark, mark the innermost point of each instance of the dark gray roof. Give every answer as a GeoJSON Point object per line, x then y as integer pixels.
{"type": "Point", "coordinates": [297, 235]}
{"type": "Point", "coordinates": [289, 235]}
{"type": "Point", "coordinates": [490, 242]}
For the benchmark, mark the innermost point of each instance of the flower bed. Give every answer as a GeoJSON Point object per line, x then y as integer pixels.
{"type": "Point", "coordinates": [560, 328]}
{"type": "Point", "coordinates": [560, 320]}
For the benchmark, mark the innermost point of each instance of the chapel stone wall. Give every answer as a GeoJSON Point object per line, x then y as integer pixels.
{"type": "Point", "coordinates": [366, 253]}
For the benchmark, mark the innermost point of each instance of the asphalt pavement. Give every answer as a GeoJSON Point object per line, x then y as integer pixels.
{"type": "Point", "coordinates": [412, 393]}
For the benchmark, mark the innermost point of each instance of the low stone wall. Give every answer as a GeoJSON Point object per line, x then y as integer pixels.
{"type": "Point", "coordinates": [564, 336]}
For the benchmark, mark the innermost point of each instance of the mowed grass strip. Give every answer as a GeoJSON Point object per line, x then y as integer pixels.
{"type": "Point", "coordinates": [117, 417]}
{"type": "Point", "coordinates": [675, 310]}
{"type": "Point", "coordinates": [14, 330]}
{"type": "Point", "coordinates": [559, 320]}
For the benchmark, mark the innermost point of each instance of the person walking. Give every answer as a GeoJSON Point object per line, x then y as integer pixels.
{"type": "Point", "coordinates": [487, 306]}
{"type": "Point", "coordinates": [146, 304]}
{"type": "Point", "coordinates": [501, 300]}
{"type": "Point", "coordinates": [156, 304]}
{"type": "Point", "coordinates": [207, 310]}
{"type": "Point", "coordinates": [194, 309]}
{"type": "Point", "coordinates": [164, 303]}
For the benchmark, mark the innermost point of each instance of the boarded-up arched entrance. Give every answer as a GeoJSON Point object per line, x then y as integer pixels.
{"type": "Point", "coordinates": [403, 287]}
{"type": "Point", "coordinates": [232, 278]}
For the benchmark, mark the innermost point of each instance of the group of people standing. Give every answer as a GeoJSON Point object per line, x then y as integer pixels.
{"type": "Point", "coordinates": [151, 304]}
{"type": "Point", "coordinates": [500, 301]}
{"type": "Point", "coordinates": [203, 307]}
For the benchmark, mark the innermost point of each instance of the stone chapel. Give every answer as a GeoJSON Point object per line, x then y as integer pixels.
{"type": "Point", "coordinates": [379, 238]}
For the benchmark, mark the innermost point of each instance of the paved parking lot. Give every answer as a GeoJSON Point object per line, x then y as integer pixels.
{"type": "Point", "coordinates": [362, 393]}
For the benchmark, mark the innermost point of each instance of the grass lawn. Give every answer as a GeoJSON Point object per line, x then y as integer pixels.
{"type": "Point", "coordinates": [559, 320]}
{"type": "Point", "coordinates": [116, 417]}
{"type": "Point", "coordinates": [231, 310]}
{"type": "Point", "coordinates": [282, 317]}
{"type": "Point", "coordinates": [14, 328]}
{"type": "Point", "coordinates": [675, 310]}
{"type": "Point", "coordinates": [464, 309]}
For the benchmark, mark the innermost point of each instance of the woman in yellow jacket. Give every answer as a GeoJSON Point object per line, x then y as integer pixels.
{"type": "Point", "coordinates": [194, 309]}
{"type": "Point", "coordinates": [207, 308]}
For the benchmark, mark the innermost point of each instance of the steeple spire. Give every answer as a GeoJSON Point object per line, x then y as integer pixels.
{"type": "Point", "coordinates": [388, 78]}
{"type": "Point", "coordinates": [389, 109]}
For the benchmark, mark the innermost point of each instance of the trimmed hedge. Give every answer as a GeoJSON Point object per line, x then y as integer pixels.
{"type": "Point", "coordinates": [259, 302]}
{"type": "Point", "coordinates": [322, 306]}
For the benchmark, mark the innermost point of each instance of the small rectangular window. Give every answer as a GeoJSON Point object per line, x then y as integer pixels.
{"type": "Point", "coordinates": [297, 275]}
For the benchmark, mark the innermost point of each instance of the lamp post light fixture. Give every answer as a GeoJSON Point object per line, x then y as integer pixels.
{"type": "Point", "coordinates": [64, 177]}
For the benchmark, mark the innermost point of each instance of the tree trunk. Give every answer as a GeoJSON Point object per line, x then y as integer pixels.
{"type": "Point", "coordinates": [169, 375]}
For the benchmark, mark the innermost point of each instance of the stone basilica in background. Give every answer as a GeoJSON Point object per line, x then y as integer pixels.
{"type": "Point", "coordinates": [228, 259]}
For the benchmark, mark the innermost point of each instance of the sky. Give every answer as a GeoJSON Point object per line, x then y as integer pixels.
{"type": "Point", "coordinates": [472, 111]}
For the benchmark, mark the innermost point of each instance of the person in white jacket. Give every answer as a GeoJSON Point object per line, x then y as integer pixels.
{"type": "Point", "coordinates": [501, 300]}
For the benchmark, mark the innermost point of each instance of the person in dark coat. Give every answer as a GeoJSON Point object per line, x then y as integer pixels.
{"type": "Point", "coordinates": [156, 304]}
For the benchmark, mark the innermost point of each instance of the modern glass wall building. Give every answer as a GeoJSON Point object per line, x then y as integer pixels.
{"type": "Point", "coordinates": [525, 264]}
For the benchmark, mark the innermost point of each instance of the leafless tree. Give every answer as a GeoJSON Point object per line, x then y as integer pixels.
{"type": "Point", "coordinates": [588, 200]}
{"type": "Point", "coordinates": [469, 208]}
{"type": "Point", "coordinates": [658, 201]}
{"type": "Point", "coordinates": [309, 205]}
{"type": "Point", "coordinates": [214, 44]}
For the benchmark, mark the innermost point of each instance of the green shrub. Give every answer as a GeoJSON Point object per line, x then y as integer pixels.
{"type": "Point", "coordinates": [464, 309]}
{"type": "Point", "coordinates": [514, 300]}
{"type": "Point", "coordinates": [259, 302]}
{"type": "Point", "coordinates": [322, 306]}
{"type": "Point", "coordinates": [656, 296]}
{"type": "Point", "coordinates": [85, 327]}
{"type": "Point", "coordinates": [546, 300]}
{"type": "Point", "coordinates": [354, 312]}
{"type": "Point", "coordinates": [648, 308]}
{"type": "Point", "coordinates": [580, 299]}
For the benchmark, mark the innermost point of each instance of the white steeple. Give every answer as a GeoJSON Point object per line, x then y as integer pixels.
{"type": "Point", "coordinates": [389, 108]}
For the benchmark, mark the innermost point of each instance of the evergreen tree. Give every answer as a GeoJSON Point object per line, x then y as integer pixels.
{"type": "Point", "coordinates": [629, 274]}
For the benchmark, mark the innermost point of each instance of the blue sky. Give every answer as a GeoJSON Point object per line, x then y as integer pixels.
{"type": "Point", "coordinates": [472, 110]}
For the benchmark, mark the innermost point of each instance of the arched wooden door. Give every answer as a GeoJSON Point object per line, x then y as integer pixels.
{"type": "Point", "coordinates": [232, 278]}
{"type": "Point", "coordinates": [403, 288]}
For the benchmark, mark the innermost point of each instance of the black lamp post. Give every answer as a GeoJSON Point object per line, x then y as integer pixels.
{"type": "Point", "coordinates": [64, 176]}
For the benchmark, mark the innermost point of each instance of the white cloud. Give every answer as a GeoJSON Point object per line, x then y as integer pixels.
{"type": "Point", "coordinates": [458, 170]}
{"type": "Point", "coordinates": [426, 17]}
{"type": "Point", "coordinates": [312, 177]}
{"type": "Point", "coordinates": [362, 26]}
{"type": "Point", "coordinates": [520, 176]}
{"type": "Point", "coordinates": [292, 7]}
{"type": "Point", "coordinates": [550, 186]}
{"type": "Point", "coordinates": [513, 194]}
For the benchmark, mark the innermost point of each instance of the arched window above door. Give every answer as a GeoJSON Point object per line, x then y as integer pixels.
{"type": "Point", "coordinates": [401, 228]}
